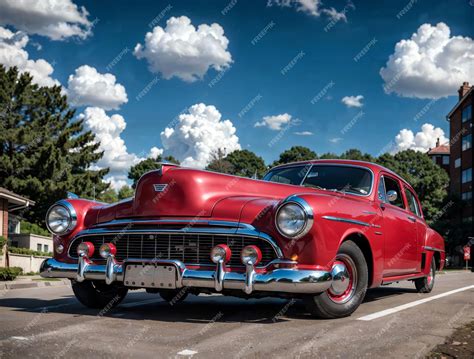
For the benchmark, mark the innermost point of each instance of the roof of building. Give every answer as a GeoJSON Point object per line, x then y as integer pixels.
{"type": "Point", "coordinates": [448, 116]}
{"type": "Point", "coordinates": [14, 198]}
{"type": "Point", "coordinates": [440, 150]}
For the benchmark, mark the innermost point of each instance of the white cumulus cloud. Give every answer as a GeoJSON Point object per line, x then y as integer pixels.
{"type": "Point", "coordinates": [431, 64]}
{"type": "Point", "coordinates": [303, 133]}
{"type": "Point", "coordinates": [276, 122]}
{"type": "Point", "coordinates": [56, 19]}
{"type": "Point", "coordinates": [313, 8]}
{"type": "Point", "coordinates": [199, 133]}
{"type": "Point", "coordinates": [353, 101]}
{"type": "Point", "coordinates": [13, 53]}
{"type": "Point", "coordinates": [421, 141]}
{"type": "Point", "coordinates": [87, 87]}
{"type": "Point", "coordinates": [155, 152]}
{"type": "Point", "coordinates": [107, 130]}
{"type": "Point", "coordinates": [180, 50]}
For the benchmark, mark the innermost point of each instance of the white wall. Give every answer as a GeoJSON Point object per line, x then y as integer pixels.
{"type": "Point", "coordinates": [27, 262]}
{"type": "Point", "coordinates": [31, 241]}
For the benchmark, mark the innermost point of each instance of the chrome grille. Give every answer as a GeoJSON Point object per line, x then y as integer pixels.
{"type": "Point", "coordinates": [190, 248]}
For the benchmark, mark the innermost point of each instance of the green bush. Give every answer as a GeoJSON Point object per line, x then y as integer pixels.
{"type": "Point", "coordinates": [27, 228]}
{"type": "Point", "coordinates": [3, 240]}
{"type": "Point", "coordinates": [28, 251]}
{"type": "Point", "coordinates": [10, 273]}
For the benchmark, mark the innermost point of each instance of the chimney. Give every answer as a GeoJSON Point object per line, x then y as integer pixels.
{"type": "Point", "coordinates": [463, 89]}
{"type": "Point", "coordinates": [437, 142]}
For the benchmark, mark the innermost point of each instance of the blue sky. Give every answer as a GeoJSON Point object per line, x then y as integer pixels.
{"type": "Point", "coordinates": [315, 55]}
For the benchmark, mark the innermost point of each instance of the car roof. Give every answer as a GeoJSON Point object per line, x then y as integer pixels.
{"type": "Point", "coordinates": [376, 168]}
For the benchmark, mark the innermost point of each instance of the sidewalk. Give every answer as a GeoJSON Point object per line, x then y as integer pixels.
{"type": "Point", "coordinates": [32, 281]}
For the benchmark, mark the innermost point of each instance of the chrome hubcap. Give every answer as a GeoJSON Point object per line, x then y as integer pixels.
{"type": "Point", "coordinates": [344, 279]}
{"type": "Point", "coordinates": [340, 278]}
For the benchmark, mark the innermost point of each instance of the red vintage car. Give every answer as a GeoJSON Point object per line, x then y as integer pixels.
{"type": "Point", "coordinates": [324, 231]}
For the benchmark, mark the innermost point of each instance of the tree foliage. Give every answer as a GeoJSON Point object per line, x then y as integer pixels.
{"type": "Point", "coordinates": [246, 163]}
{"type": "Point", "coordinates": [148, 165]}
{"type": "Point", "coordinates": [295, 154]}
{"type": "Point", "coordinates": [44, 152]}
{"type": "Point", "coordinates": [125, 192]}
{"type": "Point", "coordinates": [219, 164]}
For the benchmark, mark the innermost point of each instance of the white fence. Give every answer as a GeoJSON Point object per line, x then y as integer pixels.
{"type": "Point", "coordinates": [27, 262]}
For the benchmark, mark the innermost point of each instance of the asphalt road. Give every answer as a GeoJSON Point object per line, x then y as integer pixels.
{"type": "Point", "coordinates": [49, 322]}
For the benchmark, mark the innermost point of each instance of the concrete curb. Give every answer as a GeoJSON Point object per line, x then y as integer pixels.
{"type": "Point", "coordinates": [33, 284]}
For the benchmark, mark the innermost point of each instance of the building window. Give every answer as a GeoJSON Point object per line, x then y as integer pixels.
{"type": "Point", "coordinates": [466, 142]}
{"type": "Point", "coordinates": [466, 196]}
{"type": "Point", "coordinates": [467, 175]}
{"type": "Point", "coordinates": [467, 113]}
{"type": "Point", "coordinates": [457, 163]}
{"type": "Point", "coordinates": [433, 159]}
{"type": "Point", "coordinates": [46, 248]}
{"type": "Point", "coordinates": [445, 160]}
{"type": "Point", "coordinates": [38, 247]}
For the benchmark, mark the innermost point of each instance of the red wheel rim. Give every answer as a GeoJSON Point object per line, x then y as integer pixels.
{"type": "Point", "coordinates": [344, 279]}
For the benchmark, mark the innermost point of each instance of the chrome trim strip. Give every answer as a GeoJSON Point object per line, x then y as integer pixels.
{"type": "Point", "coordinates": [346, 220]}
{"type": "Point", "coordinates": [283, 280]}
{"type": "Point", "coordinates": [433, 249]}
{"type": "Point", "coordinates": [117, 222]}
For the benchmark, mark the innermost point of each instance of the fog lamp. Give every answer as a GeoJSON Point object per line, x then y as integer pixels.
{"type": "Point", "coordinates": [221, 252]}
{"type": "Point", "coordinates": [251, 255]}
{"type": "Point", "coordinates": [85, 249]}
{"type": "Point", "coordinates": [107, 249]}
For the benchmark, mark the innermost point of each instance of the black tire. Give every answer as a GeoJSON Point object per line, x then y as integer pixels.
{"type": "Point", "coordinates": [174, 296]}
{"type": "Point", "coordinates": [98, 294]}
{"type": "Point", "coordinates": [330, 304]}
{"type": "Point", "coordinates": [426, 284]}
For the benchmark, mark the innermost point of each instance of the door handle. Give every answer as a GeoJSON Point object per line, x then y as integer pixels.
{"type": "Point", "coordinates": [411, 218]}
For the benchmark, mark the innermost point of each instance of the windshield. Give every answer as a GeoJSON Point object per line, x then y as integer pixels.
{"type": "Point", "coordinates": [348, 179]}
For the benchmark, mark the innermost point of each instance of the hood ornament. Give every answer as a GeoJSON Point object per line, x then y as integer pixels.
{"type": "Point", "coordinates": [160, 187]}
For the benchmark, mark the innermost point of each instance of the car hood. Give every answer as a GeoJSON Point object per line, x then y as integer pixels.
{"type": "Point", "coordinates": [183, 192]}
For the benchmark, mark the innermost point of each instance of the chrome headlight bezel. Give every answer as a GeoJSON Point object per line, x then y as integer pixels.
{"type": "Point", "coordinates": [71, 219]}
{"type": "Point", "coordinates": [307, 214]}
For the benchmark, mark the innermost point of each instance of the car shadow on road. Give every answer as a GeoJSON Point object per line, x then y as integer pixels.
{"type": "Point", "coordinates": [201, 309]}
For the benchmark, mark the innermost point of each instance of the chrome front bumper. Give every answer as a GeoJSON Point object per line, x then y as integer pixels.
{"type": "Point", "coordinates": [283, 280]}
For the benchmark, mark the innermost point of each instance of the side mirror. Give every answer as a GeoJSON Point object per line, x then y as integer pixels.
{"type": "Point", "coordinates": [392, 196]}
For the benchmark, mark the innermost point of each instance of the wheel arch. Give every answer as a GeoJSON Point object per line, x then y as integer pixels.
{"type": "Point", "coordinates": [364, 245]}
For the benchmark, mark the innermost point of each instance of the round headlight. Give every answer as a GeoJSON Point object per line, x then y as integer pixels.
{"type": "Point", "coordinates": [292, 220]}
{"type": "Point", "coordinates": [61, 218]}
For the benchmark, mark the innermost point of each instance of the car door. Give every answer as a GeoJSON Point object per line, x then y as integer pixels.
{"type": "Point", "coordinates": [413, 205]}
{"type": "Point", "coordinates": [400, 232]}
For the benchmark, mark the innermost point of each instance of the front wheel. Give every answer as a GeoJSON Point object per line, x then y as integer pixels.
{"type": "Point", "coordinates": [347, 291]}
{"type": "Point", "coordinates": [426, 284]}
{"type": "Point", "coordinates": [98, 294]}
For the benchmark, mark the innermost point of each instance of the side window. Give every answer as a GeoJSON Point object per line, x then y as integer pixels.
{"type": "Point", "coordinates": [381, 190]}
{"type": "Point", "coordinates": [392, 185]}
{"type": "Point", "coordinates": [412, 203]}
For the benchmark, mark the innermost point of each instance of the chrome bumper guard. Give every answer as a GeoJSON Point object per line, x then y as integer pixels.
{"type": "Point", "coordinates": [284, 280]}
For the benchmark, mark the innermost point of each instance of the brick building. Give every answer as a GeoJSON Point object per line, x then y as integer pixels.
{"type": "Point", "coordinates": [441, 155]}
{"type": "Point", "coordinates": [461, 164]}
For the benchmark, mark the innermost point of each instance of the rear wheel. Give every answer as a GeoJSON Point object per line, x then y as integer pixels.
{"type": "Point", "coordinates": [347, 291]}
{"type": "Point", "coordinates": [98, 294]}
{"type": "Point", "coordinates": [426, 284]}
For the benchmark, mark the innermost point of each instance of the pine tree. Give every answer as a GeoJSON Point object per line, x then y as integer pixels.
{"type": "Point", "coordinates": [44, 151]}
